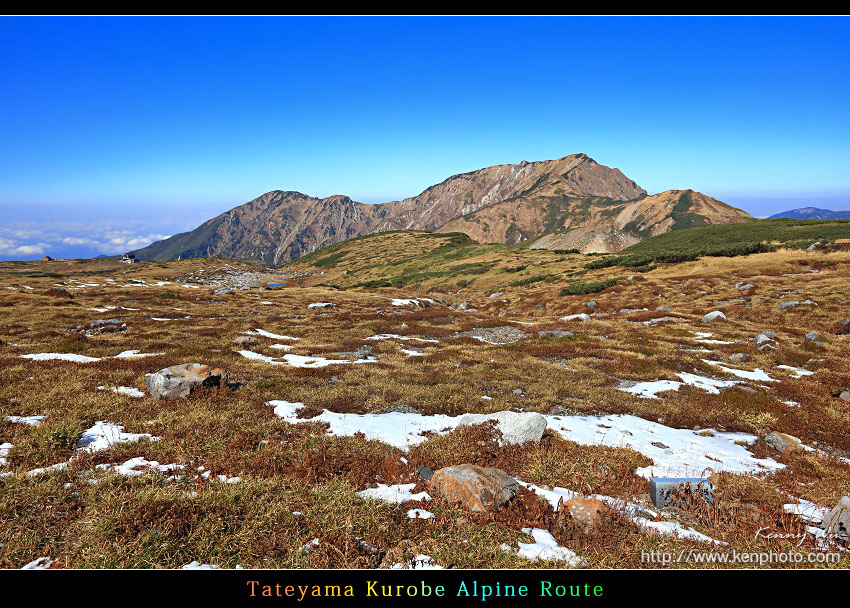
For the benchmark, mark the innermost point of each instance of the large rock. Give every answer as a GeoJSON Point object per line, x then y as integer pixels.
{"type": "Point", "coordinates": [782, 442]}
{"type": "Point", "coordinates": [179, 381]}
{"type": "Point", "coordinates": [586, 512]}
{"type": "Point", "coordinates": [837, 521]}
{"type": "Point", "coordinates": [516, 427]}
{"type": "Point", "coordinates": [714, 316]}
{"type": "Point", "coordinates": [477, 488]}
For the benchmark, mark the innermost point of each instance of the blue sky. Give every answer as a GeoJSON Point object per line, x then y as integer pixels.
{"type": "Point", "coordinates": [117, 131]}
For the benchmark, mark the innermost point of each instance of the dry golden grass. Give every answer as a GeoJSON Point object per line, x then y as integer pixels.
{"type": "Point", "coordinates": [148, 521]}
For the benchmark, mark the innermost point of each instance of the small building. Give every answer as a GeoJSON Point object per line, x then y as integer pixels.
{"type": "Point", "coordinates": [47, 258]}
{"type": "Point", "coordinates": [129, 258]}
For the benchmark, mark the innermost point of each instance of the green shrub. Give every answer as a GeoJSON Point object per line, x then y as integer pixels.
{"type": "Point", "coordinates": [581, 288]}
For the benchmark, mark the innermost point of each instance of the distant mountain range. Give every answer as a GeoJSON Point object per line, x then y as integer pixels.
{"type": "Point", "coordinates": [812, 213]}
{"type": "Point", "coordinates": [499, 204]}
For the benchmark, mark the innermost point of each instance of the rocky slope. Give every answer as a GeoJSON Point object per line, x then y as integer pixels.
{"type": "Point", "coordinates": [553, 209]}
{"type": "Point", "coordinates": [503, 203]}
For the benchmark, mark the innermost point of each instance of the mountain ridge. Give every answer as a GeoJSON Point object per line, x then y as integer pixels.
{"type": "Point", "coordinates": [282, 225]}
{"type": "Point", "coordinates": [811, 213]}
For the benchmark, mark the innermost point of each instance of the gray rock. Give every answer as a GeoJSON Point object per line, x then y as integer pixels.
{"type": "Point", "coordinates": [590, 304]}
{"type": "Point", "coordinates": [101, 326]}
{"type": "Point", "coordinates": [555, 333]}
{"type": "Point", "coordinates": [663, 309]}
{"type": "Point", "coordinates": [740, 357]}
{"type": "Point", "coordinates": [179, 381]}
{"type": "Point", "coordinates": [516, 427]}
{"type": "Point", "coordinates": [782, 442]}
{"type": "Point", "coordinates": [844, 395]}
{"type": "Point", "coordinates": [713, 317]}
{"type": "Point", "coordinates": [795, 303]}
{"type": "Point", "coordinates": [837, 521]}
{"type": "Point", "coordinates": [845, 322]}
{"type": "Point", "coordinates": [744, 287]}
{"type": "Point", "coordinates": [424, 473]}
{"type": "Point", "coordinates": [498, 294]}
{"type": "Point", "coordinates": [765, 347]}
{"type": "Point", "coordinates": [223, 291]}
{"type": "Point", "coordinates": [812, 336]}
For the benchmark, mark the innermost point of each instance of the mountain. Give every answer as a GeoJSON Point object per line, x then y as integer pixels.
{"type": "Point", "coordinates": [503, 203]}
{"type": "Point", "coordinates": [811, 213]}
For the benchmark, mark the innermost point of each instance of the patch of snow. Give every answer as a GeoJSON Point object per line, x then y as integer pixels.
{"type": "Point", "coordinates": [419, 514]}
{"type": "Point", "coordinates": [30, 420]}
{"type": "Point", "coordinates": [396, 494]}
{"type": "Point", "coordinates": [61, 357]}
{"type": "Point", "coordinates": [268, 334]}
{"type": "Point", "coordinates": [398, 337]}
{"type": "Point", "coordinates": [103, 435]}
{"type": "Point", "coordinates": [124, 390]}
{"type": "Point", "coordinates": [195, 565]}
{"type": "Point", "coordinates": [687, 454]}
{"type": "Point", "coordinates": [134, 354]}
{"type": "Point", "coordinates": [319, 305]}
{"type": "Point", "coordinates": [42, 563]}
{"type": "Point", "coordinates": [758, 375]}
{"type": "Point", "coordinates": [799, 372]}
{"type": "Point", "coordinates": [546, 548]}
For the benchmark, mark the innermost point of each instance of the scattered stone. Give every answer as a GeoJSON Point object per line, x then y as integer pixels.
{"type": "Point", "coordinates": [740, 357]}
{"type": "Point", "coordinates": [768, 346]}
{"type": "Point", "coordinates": [794, 303]}
{"type": "Point", "coordinates": [714, 316]}
{"type": "Point", "coordinates": [836, 522]}
{"type": "Point", "coordinates": [425, 473]}
{"type": "Point", "coordinates": [506, 334]}
{"type": "Point", "coordinates": [784, 443]}
{"type": "Point", "coordinates": [746, 389]}
{"type": "Point", "coordinates": [516, 427]}
{"type": "Point", "coordinates": [660, 445]}
{"type": "Point", "coordinates": [224, 291]}
{"type": "Point", "coordinates": [744, 286]}
{"type": "Point", "coordinates": [765, 336]}
{"type": "Point", "coordinates": [364, 352]}
{"type": "Point", "coordinates": [477, 488]}
{"type": "Point", "coordinates": [663, 309]}
{"type": "Point", "coordinates": [179, 381]}
{"type": "Point", "coordinates": [555, 333]}
{"type": "Point", "coordinates": [587, 512]}
{"type": "Point", "coordinates": [101, 326]}
{"type": "Point", "coordinates": [844, 395]}
{"type": "Point", "coordinates": [812, 336]}
{"type": "Point", "coordinates": [590, 304]}
{"type": "Point", "coordinates": [498, 294]}
{"type": "Point", "coordinates": [245, 340]}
